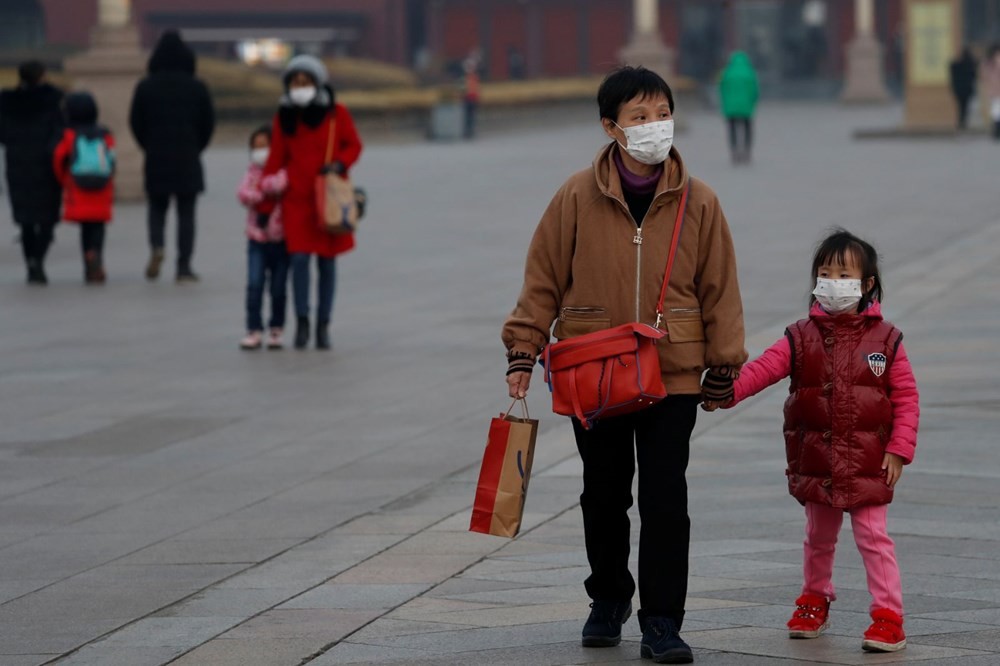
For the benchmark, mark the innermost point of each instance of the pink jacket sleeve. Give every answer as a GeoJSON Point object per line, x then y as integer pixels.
{"type": "Point", "coordinates": [249, 192]}
{"type": "Point", "coordinates": [275, 184]}
{"type": "Point", "coordinates": [905, 407]}
{"type": "Point", "coordinates": [767, 369]}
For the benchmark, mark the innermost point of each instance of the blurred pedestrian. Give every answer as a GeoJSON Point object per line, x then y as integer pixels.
{"type": "Point", "coordinates": [738, 92]}
{"type": "Point", "coordinates": [173, 120]}
{"type": "Point", "coordinates": [267, 258]}
{"type": "Point", "coordinates": [851, 423]}
{"type": "Point", "coordinates": [31, 123]}
{"type": "Point", "coordinates": [613, 218]}
{"type": "Point", "coordinates": [992, 75]}
{"type": "Point", "coordinates": [311, 133]}
{"type": "Point", "coordinates": [470, 95]}
{"type": "Point", "coordinates": [963, 84]}
{"type": "Point", "coordinates": [84, 163]}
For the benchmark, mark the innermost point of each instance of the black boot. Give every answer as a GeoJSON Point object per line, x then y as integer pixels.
{"type": "Point", "coordinates": [301, 332]}
{"type": "Point", "coordinates": [322, 335]}
{"type": "Point", "coordinates": [36, 274]}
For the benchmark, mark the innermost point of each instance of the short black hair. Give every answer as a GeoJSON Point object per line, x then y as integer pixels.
{"type": "Point", "coordinates": [627, 83]}
{"type": "Point", "coordinates": [839, 245]}
{"type": "Point", "coordinates": [31, 72]}
{"type": "Point", "coordinates": [263, 130]}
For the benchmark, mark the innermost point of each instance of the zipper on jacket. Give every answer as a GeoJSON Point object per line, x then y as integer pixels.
{"type": "Point", "coordinates": [637, 239]}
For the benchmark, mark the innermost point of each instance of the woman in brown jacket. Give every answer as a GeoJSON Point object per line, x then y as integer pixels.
{"type": "Point", "coordinates": [596, 261]}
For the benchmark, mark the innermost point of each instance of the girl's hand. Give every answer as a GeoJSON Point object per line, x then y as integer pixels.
{"type": "Point", "coordinates": [893, 466]}
{"type": "Point", "coordinates": [517, 384]}
{"type": "Point", "coordinates": [709, 405]}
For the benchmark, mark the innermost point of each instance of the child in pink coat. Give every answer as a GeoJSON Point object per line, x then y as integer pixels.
{"type": "Point", "coordinates": [267, 258]}
{"type": "Point", "coordinates": [851, 421]}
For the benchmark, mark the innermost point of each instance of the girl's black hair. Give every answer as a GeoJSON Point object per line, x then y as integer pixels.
{"type": "Point", "coordinates": [836, 248]}
{"type": "Point", "coordinates": [263, 130]}
{"type": "Point", "coordinates": [627, 83]}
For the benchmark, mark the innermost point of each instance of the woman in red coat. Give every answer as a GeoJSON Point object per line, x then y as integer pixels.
{"type": "Point", "coordinates": [84, 165]}
{"type": "Point", "coordinates": [308, 123]}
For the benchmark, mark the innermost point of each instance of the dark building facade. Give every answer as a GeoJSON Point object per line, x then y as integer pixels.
{"type": "Point", "coordinates": [789, 40]}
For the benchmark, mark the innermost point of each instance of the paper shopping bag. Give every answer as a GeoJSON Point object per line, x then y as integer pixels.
{"type": "Point", "coordinates": [503, 479]}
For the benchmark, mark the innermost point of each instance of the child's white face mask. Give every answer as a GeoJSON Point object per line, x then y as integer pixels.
{"type": "Point", "coordinates": [259, 156]}
{"type": "Point", "coordinates": [837, 296]}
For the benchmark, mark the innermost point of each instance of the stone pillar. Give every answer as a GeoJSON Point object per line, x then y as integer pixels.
{"type": "Point", "coordinates": [109, 70]}
{"type": "Point", "coordinates": [933, 38]}
{"type": "Point", "coordinates": [865, 80]}
{"type": "Point", "coordinates": [647, 48]}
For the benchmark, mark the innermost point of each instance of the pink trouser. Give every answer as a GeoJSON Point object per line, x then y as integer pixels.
{"type": "Point", "coordinates": [876, 548]}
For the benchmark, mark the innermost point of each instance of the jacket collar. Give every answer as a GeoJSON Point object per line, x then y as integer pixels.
{"type": "Point", "coordinates": [872, 312]}
{"type": "Point", "coordinates": [672, 182]}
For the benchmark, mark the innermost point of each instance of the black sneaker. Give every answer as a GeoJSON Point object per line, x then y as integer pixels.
{"type": "Point", "coordinates": [301, 332]}
{"type": "Point", "coordinates": [662, 643]}
{"type": "Point", "coordinates": [604, 626]}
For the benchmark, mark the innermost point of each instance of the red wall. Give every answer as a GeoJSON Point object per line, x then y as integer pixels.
{"type": "Point", "coordinates": [69, 21]}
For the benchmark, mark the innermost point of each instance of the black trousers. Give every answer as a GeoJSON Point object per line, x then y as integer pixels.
{"type": "Point", "coordinates": [963, 111]}
{"type": "Point", "coordinates": [35, 241]}
{"type": "Point", "coordinates": [158, 206]}
{"type": "Point", "coordinates": [92, 237]}
{"type": "Point", "coordinates": [659, 439]}
{"type": "Point", "coordinates": [740, 136]}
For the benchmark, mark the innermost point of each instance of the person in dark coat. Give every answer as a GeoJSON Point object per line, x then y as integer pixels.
{"type": "Point", "coordinates": [31, 123]}
{"type": "Point", "coordinates": [172, 119]}
{"type": "Point", "coordinates": [963, 84]}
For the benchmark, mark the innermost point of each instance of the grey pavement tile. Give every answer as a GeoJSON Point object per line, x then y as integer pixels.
{"type": "Point", "coordinates": [251, 652]}
{"type": "Point", "coordinates": [986, 595]}
{"type": "Point", "coordinates": [445, 642]}
{"type": "Point", "coordinates": [462, 585]}
{"type": "Point", "coordinates": [226, 602]}
{"type": "Point", "coordinates": [326, 625]}
{"type": "Point", "coordinates": [369, 596]}
{"type": "Point", "coordinates": [358, 653]}
{"type": "Point", "coordinates": [26, 659]}
{"type": "Point", "coordinates": [387, 626]}
{"type": "Point", "coordinates": [528, 595]}
{"type": "Point", "coordinates": [209, 551]}
{"type": "Point", "coordinates": [401, 569]}
{"type": "Point", "coordinates": [827, 649]}
{"type": "Point", "coordinates": [149, 632]}
{"type": "Point", "coordinates": [131, 655]}
{"type": "Point", "coordinates": [981, 616]}
{"type": "Point", "coordinates": [987, 640]}
{"type": "Point", "coordinates": [560, 576]}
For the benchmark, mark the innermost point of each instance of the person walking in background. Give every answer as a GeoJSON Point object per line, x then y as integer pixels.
{"type": "Point", "coordinates": [172, 119]}
{"type": "Point", "coordinates": [84, 163]}
{"type": "Point", "coordinates": [738, 91]}
{"type": "Point", "coordinates": [992, 75]}
{"type": "Point", "coordinates": [267, 258]}
{"type": "Point", "coordinates": [470, 95]}
{"type": "Point", "coordinates": [309, 126]}
{"type": "Point", "coordinates": [851, 422]}
{"type": "Point", "coordinates": [613, 218]}
{"type": "Point", "coordinates": [31, 123]}
{"type": "Point", "coordinates": [962, 73]}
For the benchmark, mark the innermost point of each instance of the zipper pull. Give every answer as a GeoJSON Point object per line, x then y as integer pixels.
{"type": "Point", "coordinates": [637, 239]}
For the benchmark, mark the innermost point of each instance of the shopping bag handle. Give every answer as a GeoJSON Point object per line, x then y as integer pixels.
{"type": "Point", "coordinates": [524, 408]}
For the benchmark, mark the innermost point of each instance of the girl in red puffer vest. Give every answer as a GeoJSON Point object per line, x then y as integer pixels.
{"type": "Point", "coordinates": [851, 422]}
{"type": "Point", "coordinates": [84, 164]}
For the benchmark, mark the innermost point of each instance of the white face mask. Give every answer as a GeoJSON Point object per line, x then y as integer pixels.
{"type": "Point", "coordinates": [837, 296]}
{"type": "Point", "coordinates": [302, 96]}
{"type": "Point", "coordinates": [649, 143]}
{"type": "Point", "coordinates": [259, 156]}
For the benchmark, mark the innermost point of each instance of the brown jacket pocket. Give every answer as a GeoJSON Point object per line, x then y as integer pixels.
{"type": "Point", "coordinates": [574, 321]}
{"type": "Point", "coordinates": [686, 330]}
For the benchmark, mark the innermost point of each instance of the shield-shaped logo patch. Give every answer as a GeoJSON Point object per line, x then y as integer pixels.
{"type": "Point", "coordinates": [876, 362]}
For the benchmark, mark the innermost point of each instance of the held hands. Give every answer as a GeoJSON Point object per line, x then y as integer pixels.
{"type": "Point", "coordinates": [893, 466]}
{"type": "Point", "coordinates": [717, 388]}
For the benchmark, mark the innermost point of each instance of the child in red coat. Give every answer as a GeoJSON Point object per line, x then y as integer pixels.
{"type": "Point", "coordinates": [84, 164]}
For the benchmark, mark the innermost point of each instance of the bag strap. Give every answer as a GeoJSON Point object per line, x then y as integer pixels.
{"type": "Point", "coordinates": [331, 136]}
{"type": "Point", "coordinates": [674, 242]}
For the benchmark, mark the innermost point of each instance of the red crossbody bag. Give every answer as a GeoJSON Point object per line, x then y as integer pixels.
{"type": "Point", "coordinates": [612, 372]}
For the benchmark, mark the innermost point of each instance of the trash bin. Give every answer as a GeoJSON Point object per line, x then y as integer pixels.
{"type": "Point", "coordinates": [447, 121]}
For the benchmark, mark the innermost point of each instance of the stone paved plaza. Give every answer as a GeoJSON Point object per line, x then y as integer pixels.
{"type": "Point", "coordinates": [166, 498]}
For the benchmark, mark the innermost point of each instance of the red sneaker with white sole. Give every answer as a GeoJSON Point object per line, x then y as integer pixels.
{"type": "Point", "coordinates": [886, 633]}
{"type": "Point", "coordinates": [810, 618]}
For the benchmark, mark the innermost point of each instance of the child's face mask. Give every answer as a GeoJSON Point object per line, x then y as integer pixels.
{"type": "Point", "coordinates": [837, 296]}
{"type": "Point", "coordinates": [259, 156]}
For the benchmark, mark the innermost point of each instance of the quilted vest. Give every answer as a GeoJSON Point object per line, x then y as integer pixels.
{"type": "Point", "coordinates": [838, 417]}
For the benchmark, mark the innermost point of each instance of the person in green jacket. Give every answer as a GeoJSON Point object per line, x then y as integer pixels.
{"type": "Point", "coordinates": [738, 91]}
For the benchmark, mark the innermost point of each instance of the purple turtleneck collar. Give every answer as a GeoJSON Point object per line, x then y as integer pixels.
{"type": "Point", "coordinates": [635, 184]}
